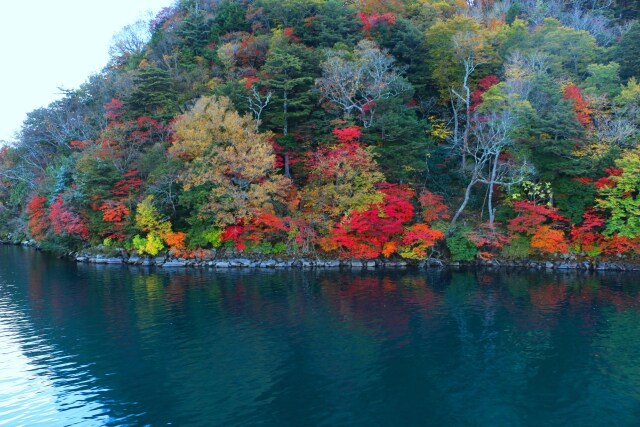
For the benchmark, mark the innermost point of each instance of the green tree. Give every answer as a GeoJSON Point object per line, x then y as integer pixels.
{"type": "Point", "coordinates": [230, 16]}
{"type": "Point", "coordinates": [627, 104]}
{"type": "Point", "coordinates": [286, 75]}
{"type": "Point", "coordinates": [570, 50]}
{"type": "Point", "coordinates": [333, 22]}
{"type": "Point", "coordinates": [628, 52]}
{"type": "Point", "coordinates": [603, 80]}
{"type": "Point", "coordinates": [195, 32]}
{"type": "Point", "coordinates": [153, 94]}
{"type": "Point", "coordinates": [400, 141]}
{"type": "Point", "coordinates": [622, 198]}
{"type": "Point", "coordinates": [515, 11]}
{"type": "Point", "coordinates": [552, 132]}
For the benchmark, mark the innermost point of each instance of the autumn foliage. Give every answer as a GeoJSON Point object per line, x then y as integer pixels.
{"type": "Point", "coordinates": [373, 20]}
{"type": "Point", "coordinates": [484, 84]}
{"type": "Point", "coordinates": [65, 221]}
{"type": "Point", "coordinates": [353, 129]}
{"type": "Point", "coordinates": [38, 218]}
{"type": "Point", "coordinates": [580, 105]}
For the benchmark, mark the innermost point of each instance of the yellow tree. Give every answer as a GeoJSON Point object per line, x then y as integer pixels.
{"type": "Point", "coordinates": [342, 180]}
{"type": "Point", "coordinates": [223, 152]}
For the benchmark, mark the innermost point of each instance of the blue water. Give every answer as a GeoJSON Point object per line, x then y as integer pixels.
{"type": "Point", "coordinates": [115, 345]}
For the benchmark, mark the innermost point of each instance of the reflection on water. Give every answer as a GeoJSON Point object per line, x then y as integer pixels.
{"type": "Point", "coordinates": [112, 345]}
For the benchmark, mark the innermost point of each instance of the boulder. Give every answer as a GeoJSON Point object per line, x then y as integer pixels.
{"type": "Point", "coordinates": [174, 263]}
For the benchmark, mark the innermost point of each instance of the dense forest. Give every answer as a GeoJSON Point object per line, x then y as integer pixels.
{"type": "Point", "coordinates": [345, 128]}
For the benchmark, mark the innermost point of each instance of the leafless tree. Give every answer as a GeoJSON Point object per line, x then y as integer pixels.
{"type": "Point", "coordinates": [129, 41]}
{"type": "Point", "coordinates": [492, 136]}
{"type": "Point", "coordinates": [357, 82]}
{"type": "Point", "coordinates": [257, 103]}
{"type": "Point", "coordinates": [615, 131]}
{"type": "Point", "coordinates": [467, 47]}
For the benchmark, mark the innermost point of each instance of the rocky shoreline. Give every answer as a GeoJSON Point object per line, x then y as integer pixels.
{"type": "Point", "coordinates": [230, 262]}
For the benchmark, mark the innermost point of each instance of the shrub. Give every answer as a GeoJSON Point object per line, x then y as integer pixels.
{"type": "Point", "coordinates": [518, 248]}
{"type": "Point", "coordinates": [460, 247]}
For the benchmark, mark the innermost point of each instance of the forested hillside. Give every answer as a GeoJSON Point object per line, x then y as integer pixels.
{"type": "Point", "coordinates": [355, 128]}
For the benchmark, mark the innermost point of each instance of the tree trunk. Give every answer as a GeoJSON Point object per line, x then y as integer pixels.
{"type": "Point", "coordinates": [285, 114]}
{"type": "Point", "coordinates": [287, 172]}
{"type": "Point", "coordinates": [492, 180]}
{"type": "Point", "coordinates": [467, 195]}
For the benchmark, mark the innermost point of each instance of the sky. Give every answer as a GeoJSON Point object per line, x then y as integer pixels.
{"type": "Point", "coordinates": [47, 44]}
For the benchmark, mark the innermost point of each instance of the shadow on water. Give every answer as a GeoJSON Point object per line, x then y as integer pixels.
{"type": "Point", "coordinates": [117, 345]}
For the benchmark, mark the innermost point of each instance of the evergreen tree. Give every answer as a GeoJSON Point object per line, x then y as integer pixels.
{"type": "Point", "coordinates": [153, 94]}
{"type": "Point", "coordinates": [628, 52]}
{"type": "Point", "coordinates": [230, 17]}
{"type": "Point", "coordinates": [195, 33]}
{"type": "Point", "coordinates": [285, 77]}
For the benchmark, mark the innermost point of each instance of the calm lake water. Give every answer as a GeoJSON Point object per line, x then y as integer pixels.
{"type": "Point", "coordinates": [111, 345]}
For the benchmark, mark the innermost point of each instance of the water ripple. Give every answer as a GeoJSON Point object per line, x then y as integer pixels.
{"type": "Point", "coordinates": [108, 345]}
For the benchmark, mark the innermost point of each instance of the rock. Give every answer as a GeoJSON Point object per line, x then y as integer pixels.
{"type": "Point", "coordinates": [240, 262]}
{"type": "Point", "coordinates": [567, 265]}
{"type": "Point", "coordinates": [174, 263]}
{"type": "Point", "coordinates": [332, 263]}
{"type": "Point", "coordinates": [222, 264]}
{"type": "Point", "coordinates": [549, 265]}
{"type": "Point", "coordinates": [357, 264]}
{"type": "Point", "coordinates": [268, 263]}
{"type": "Point", "coordinates": [146, 262]}
{"type": "Point", "coordinates": [113, 260]}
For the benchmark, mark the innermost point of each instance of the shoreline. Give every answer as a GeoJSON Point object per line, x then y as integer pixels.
{"type": "Point", "coordinates": [262, 262]}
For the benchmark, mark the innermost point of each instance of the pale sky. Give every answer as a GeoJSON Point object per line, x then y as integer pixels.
{"type": "Point", "coordinates": [47, 44]}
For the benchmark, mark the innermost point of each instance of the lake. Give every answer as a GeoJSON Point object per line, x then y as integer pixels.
{"type": "Point", "coordinates": [108, 345]}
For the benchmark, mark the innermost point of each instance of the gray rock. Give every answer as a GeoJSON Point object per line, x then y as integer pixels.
{"type": "Point", "coordinates": [568, 265]}
{"type": "Point", "coordinates": [174, 263]}
{"type": "Point", "coordinates": [268, 263]}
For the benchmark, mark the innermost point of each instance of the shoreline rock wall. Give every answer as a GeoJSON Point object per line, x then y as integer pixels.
{"type": "Point", "coordinates": [309, 263]}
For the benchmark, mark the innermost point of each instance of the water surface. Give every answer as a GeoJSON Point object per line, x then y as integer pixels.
{"type": "Point", "coordinates": [116, 345]}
